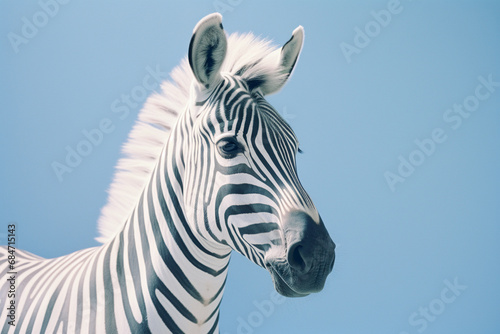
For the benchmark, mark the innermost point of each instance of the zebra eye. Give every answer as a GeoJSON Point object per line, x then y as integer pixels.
{"type": "Point", "coordinates": [228, 147]}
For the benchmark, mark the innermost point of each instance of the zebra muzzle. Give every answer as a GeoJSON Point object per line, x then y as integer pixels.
{"type": "Point", "coordinates": [307, 259]}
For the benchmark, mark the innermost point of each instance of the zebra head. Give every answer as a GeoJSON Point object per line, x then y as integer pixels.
{"type": "Point", "coordinates": [242, 154]}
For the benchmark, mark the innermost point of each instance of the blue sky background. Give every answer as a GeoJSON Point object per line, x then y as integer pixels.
{"type": "Point", "coordinates": [354, 116]}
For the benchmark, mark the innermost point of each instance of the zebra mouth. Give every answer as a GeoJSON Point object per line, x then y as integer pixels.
{"type": "Point", "coordinates": [280, 283]}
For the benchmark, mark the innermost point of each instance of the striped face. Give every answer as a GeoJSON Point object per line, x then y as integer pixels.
{"type": "Point", "coordinates": [244, 153]}
{"type": "Point", "coordinates": [240, 181]}
{"type": "Point", "coordinates": [248, 154]}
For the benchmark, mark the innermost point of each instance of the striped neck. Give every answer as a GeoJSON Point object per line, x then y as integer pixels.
{"type": "Point", "coordinates": [178, 276]}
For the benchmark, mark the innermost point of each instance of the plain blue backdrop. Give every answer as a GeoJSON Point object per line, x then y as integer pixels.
{"type": "Point", "coordinates": [418, 253]}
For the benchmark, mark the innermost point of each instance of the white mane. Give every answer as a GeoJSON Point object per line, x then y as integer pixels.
{"type": "Point", "coordinates": [248, 56]}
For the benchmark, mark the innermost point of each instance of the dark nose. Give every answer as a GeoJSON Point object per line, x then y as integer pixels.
{"type": "Point", "coordinates": [308, 244]}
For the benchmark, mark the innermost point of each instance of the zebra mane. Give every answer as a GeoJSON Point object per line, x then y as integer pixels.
{"type": "Point", "coordinates": [248, 56]}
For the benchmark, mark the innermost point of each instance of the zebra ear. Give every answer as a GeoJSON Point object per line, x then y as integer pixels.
{"type": "Point", "coordinates": [287, 58]}
{"type": "Point", "coordinates": [207, 50]}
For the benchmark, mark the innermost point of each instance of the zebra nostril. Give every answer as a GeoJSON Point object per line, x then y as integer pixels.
{"type": "Point", "coordinates": [298, 259]}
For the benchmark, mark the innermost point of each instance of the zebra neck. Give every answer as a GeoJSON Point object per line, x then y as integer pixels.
{"type": "Point", "coordinates": [181, 275]}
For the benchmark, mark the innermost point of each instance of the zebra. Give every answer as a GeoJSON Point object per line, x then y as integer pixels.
{"type": "Point", "coordinates": [209, 167]}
